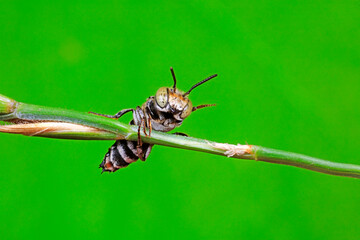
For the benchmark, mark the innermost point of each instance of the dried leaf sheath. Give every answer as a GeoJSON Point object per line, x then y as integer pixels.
{"type": "Point", "coordinates": [57, 130]}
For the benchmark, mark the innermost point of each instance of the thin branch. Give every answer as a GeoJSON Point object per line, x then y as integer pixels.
{"type": "Point", "coordinates": [42, 121]}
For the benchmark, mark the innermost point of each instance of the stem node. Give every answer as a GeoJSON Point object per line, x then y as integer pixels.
{"type": "Point", "coordinates": [7, 105]}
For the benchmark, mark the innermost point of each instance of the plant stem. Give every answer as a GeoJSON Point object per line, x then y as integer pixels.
{"type": "Point", "coordinates": [33, 120]}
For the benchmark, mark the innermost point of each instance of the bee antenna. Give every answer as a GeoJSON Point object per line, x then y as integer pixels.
{"type": "Point", "coordinates": [199, 83]}
{"type": "Point", "coordinates": [202, 106]}
{"type": "Point", "coordinates": [173, 75]}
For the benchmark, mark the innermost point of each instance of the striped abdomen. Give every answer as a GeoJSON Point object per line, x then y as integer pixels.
{"type": "Point", "coordinates": [124, 152]}
{"type": "Point", "coordinates": [121, 154]}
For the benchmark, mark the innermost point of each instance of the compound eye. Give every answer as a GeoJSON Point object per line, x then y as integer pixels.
{"type": "Point", "coordinates": [187, 110]}
{"type": "Point", "coordinates": [162, 97]}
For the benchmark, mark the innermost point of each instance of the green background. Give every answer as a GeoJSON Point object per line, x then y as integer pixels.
{"type": "Point", "coordinates": [288, 79]}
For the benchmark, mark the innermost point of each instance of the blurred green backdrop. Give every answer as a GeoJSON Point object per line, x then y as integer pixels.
{"type": "Point", "coordinates": [288, 79]}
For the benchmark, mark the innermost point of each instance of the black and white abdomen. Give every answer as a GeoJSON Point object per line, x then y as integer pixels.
{"type": "Point", "coordinates": [121, 154]}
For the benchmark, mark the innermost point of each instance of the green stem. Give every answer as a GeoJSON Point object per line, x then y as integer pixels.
{"type": "Point", "coordinates": [307, 162]}
{"type": "Point", "coordinates": [62, 123]}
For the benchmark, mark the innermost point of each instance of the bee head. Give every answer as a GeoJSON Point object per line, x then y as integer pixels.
{"type": "Point", "coordinates": [177, 102]}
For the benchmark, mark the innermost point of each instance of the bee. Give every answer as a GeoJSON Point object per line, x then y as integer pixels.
{"type": "Point", "coordinates": [162, 112]}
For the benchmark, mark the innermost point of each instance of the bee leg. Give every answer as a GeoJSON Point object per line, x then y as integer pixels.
{"type": "Point", "coordinates": [103, 115]}
{"type": "Point", "coordinates": [180, 134]}
{"type": "Point", "coordinates": [117, 116]}
{"type": "Point", "coordinates": [143, 123]}
{"type": "Point", "coordinates": [149, 124]}
{"type": "Point", "coordinates": [147, 113]}
{"type": "Point", "coordinates": [139, 150]}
